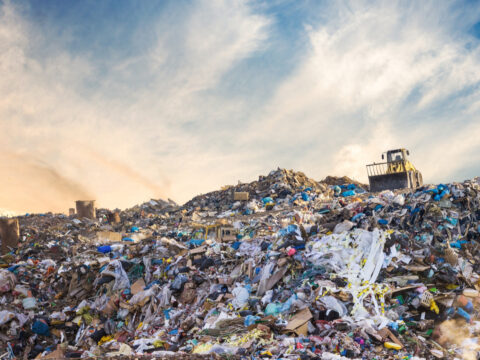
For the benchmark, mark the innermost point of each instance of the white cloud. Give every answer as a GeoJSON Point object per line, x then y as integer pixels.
{"type": "Point", "coordinates": [353, 96]}
{"type": "Point", "coordinates": [104, 141]}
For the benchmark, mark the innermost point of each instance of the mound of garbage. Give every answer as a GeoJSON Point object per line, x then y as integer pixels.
{"type": "Point", "coordinates": [279, 184]}
{"type": "Point", "coordinates": [281, 268]}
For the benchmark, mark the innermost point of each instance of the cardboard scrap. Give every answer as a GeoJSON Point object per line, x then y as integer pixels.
{"type": "Point", "coordinates": [137, 286]}
{"type": "Point", "coordinates": [298, 322]}
{"type": "Point", "coordinates": [110, 236]}
{"type": "Point", "coordinates": [56, 354]}
{"type": "Point", "coordinates": [111, 306]}
{"type": "Point", "coordinates": [198, 250]}
{"type": "Point", "coordinates": [385, 333]}
{"type": "Point", "coordinates": [276, 277]}
{"type": "Point", "coordinates": [416, 267]}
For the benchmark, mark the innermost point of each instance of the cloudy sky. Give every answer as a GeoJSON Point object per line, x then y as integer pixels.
{"type": "Point", "coordinates": [125, 101]}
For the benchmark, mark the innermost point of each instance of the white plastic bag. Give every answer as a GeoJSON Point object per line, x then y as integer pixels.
{"type": "Point", "coordinates": [121, 278]}
{"type": "Point", "coordinates": [7, 280]}
{"type": "Point", "coordinates": [264, 277]}
{"type": "Point", "coordinates": [241, 296]}
{"type": "Point", "coordinates": [333, 303]}
{"type": "Point", "coordinates": [165, 296]}
{"type": "Point", "coordinates": [343, 226]}
{"type": "Point", "coordinates": [6, 316]}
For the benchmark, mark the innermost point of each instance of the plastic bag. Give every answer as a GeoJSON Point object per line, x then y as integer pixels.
{"type": "Point", "coordinates": [6, 316]}
{"type": "Point", "coordinates": [273, 309]}
{"type": "Point", "coordinates": [177, 284]}
{"type": "Point", "coordinates": [139, 297]}
{"type": "Point", "coordinates": [399, 200]}
{"type": "Point", "coordinates": [165, 296]}
{"type": "Point", "coordinates": [267, 297]}
{"type": "Point", "coordinates": [148, 274]}
{"type": "Point", "coordinates": [266, 273]}
{"type": "Point", "coordinates": [343, 226]}
{"type": "Point", "coordinates": [241, 296]}
{"type": "Point", "coordinates": [333, 303]}
{"type": "Point", "coordinates": [250, 320]}
{"type": "Point", "coordinates": [121, 278]}
{"type": "Point", "coordinates": [7, 280]}
{"type": "Point", "coordinates": [29, 303]}
{"type": "Point", "coordinates": [288, 304]}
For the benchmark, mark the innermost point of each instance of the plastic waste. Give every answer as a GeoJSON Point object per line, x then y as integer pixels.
{"type": "Point", "coordinates": [333, 303]}
{"type": "Point", "coordinates": [29, 303]}
{"type": "Point", "coordinates": [177, 284]}
{"type": "Point", "coordinates": [264, 277]}
{"type": "Point", "coordinates": [391, 345]}
{"type": "Point", "coordinates": [273, 309]}
{"type": "Point", "coordinates": [121, 278]}
{"type": "Point", "coordinates": [7, 280]}
{"type": "Point", "coordinates": [250, 320]}
{"type": "Point", "coordinates": [241, 296]}
{"type": "Point", "coordinates": [6, 316]}
{"type": "Point", "coordinates": [41, 327]}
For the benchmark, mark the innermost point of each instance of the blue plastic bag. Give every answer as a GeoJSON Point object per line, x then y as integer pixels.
{"type": "Point", "coordinates": [348, 193]}
{"type": "Point", "coordinates": [40, 327]}
{"type": "Point", "coordinates": [104, 249]}
{"type": "Point", "coordinates": [267, 200]}
{"type": "Point", "coordinates": [305, 196]}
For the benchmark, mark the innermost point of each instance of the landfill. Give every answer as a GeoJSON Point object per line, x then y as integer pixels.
{"type": "Point", "coordinates": [297, 269]}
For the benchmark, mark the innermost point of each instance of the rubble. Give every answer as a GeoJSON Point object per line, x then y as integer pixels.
{"type": "Point", "coordinates": [296, 269]}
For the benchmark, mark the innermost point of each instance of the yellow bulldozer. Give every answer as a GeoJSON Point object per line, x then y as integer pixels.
{"type": "Point", "coordinates": [397, 173]}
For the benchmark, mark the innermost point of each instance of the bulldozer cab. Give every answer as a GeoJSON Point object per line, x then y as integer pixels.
{"type": "Point", "coordinates": [395, 155]}
{"type": "Point", "coordinates": [396, 173]}
{"type": "Point", "coordinates": [397, 161]}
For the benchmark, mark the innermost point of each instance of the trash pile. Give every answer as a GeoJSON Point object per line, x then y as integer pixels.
{"type": "Point", "coordinates": [296, 269]}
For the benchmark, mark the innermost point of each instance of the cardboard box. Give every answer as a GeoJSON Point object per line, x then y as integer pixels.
{"type": "Point", "coordinates": [240, 196]}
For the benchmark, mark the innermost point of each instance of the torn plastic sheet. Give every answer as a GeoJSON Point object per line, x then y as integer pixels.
{"type": "Point", "coordinates": [358, 257]}
{"type": "Point", "coordinates": [121, 278]}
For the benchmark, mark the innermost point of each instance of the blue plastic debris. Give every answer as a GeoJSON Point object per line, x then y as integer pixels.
{"type": "Point", "coordinates": [40, 327]}
{"type": "Point", "coordinates": [305, 196]}
{"type": "Point", "coordinates": [358, 216]}
{"type": "Point", "coordinates": [195, 242]}
{"type": "Point", "coordinates": [236, 245]}
{"type": "Point", "coordinates": [104, 249]}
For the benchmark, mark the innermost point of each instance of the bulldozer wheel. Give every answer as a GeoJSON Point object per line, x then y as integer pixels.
{"type": "Point", "coordinates": [419, 179]}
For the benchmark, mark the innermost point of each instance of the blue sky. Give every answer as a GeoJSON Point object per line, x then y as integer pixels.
{"type": "Point", "coordinates": [123, 101]}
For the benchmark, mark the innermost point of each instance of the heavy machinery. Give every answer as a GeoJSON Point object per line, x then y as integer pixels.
{"type": "Point", "coordinates": [397, 173]}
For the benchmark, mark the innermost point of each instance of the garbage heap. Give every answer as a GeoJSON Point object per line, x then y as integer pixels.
{"type": "Point", "coordinates": [308, 270]}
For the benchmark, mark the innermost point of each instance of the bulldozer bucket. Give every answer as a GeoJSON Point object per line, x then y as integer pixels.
{"type": "Point", "coordinates": [401, 180]}
{"type": "Point", "coordinates": [388, 182]}
{"type": "Point", "coordinates": [393, 174]}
